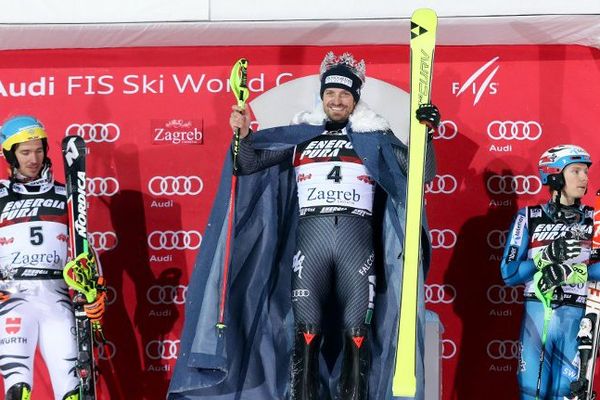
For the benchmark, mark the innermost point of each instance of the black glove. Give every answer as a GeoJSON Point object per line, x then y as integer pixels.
{"type": "Point", "coordinates": [556, 275]}
{"type": "Point", "coordinates": [562, 249]}
{"type": "Point", "coordinates": [429, 115]}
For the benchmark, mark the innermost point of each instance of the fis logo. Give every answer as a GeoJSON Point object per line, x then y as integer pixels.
{"type": "Point", "coordinates": [479, 86]}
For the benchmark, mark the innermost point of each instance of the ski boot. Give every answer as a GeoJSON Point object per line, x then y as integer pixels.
{"type": "Point", "coordinates": [354, 377]}
{"type": "Point", "coordinates": [305, 363]}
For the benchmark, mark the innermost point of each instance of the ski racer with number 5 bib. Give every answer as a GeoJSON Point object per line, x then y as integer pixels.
{"type": "Point", "coordinates": [35, 306]}
{"type": "Point", "coordinates": [548, 249]}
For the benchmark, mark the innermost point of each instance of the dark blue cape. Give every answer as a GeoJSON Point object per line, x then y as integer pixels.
{"type": "Point", "coordinates": [251, 360]}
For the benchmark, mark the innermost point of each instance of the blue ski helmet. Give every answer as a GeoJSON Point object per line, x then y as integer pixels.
{"type": "Point", "coordinates": [555, 159]}
{"type": "Point", "coordinates": [20, 129]}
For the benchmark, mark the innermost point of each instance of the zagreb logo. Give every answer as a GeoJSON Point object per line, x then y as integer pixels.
{"type": "Point", "coordinates": [445, 184]}
{"type": "Point", "coordinates": [177, 131]}
{"type": "Point", "coordinates": [175, 185]}
{"type": "Point", "coordinates": [436, 294]}
{"type": "Point", "coordinates": [503, 349]}
{"type": "Point", "coordinates": [517, 184]}
{"type": "Point", "coordinates": [95, 132]}
{"type": "Point", "coordinates": [442, 238]}
{"type": "Point", "coordinates": [479, 86]}
{"type": "Point", "coordinates": [502, 294]}
{"type": "Point", "coordinates": [162, 349]}
{"type": "Point", "coordinates": [102, 186]}
{"type": "Point", "coordinates": [13, 325]}
{"type": "Point", "coordinates": [174, 240]}
{"type": "Point", "coordinates": [514, 130]}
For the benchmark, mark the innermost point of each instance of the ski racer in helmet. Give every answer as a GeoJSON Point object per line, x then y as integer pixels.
{"type": "Point", "coordinates": [35, 307]}
{"type": "Point", "coordinates": [548, 250]}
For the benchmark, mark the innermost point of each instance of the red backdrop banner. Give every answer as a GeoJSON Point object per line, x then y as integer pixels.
{"type": "Point", "coordinates": [156, 124]}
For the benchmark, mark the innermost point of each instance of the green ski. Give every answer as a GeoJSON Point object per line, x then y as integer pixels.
{"type": "Point", "coordinates": [423, 26]}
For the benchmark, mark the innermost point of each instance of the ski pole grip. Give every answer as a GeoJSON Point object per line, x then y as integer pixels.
{"type": "Point", "coordinates": [238, 81]}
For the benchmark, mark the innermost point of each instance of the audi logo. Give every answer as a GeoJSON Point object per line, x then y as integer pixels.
{"type": "Point", "coordinates": [436, 294]}
{"type": "Point", "coordinates": [514, 130]}
{"type": "Point", "coordinates": [442, 184]}
{"type": "Point", "coordinates": [496, 239]}
{"type": "Point", "coordinates": [448, 349]}
{"type": "Point", "coordinates": [300, 293]}
{"type": "Point", "coordinates": [167, 294]}
{"type": "Point", "coordinates": [502, 294]}
{"type": "Point", "coordinates": [503, 349]}
{"type": "Point", "coordinates": [107, 351]}
{"type": "Point", "coordinates": [174, 240]}
{"type": "Point", "coordinates": [103, 240]}
{"type": "Point", "coordinates": [518, 184]}
{"type": "Point", "coordinates": [102, 186]}
{"type": "Point", "coordinates": [162, 349]}
{"type": "Point", "coordinates": [446, 130]}
{"type": "Point", "coordinates": [96, 133]}
{"type": "Point", "coordinates": [442, 238]}
{"type": "Point", "coordinates": [175, 185]}
{"type": "Point", "coordinates": [111, 295]}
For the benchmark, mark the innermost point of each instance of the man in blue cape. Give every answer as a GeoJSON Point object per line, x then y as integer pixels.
{"type": "Point", "coordinates": [278, 246]}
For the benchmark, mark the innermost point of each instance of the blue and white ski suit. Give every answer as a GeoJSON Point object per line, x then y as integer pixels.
{"type": "Point", "coordinates": [532, 229]}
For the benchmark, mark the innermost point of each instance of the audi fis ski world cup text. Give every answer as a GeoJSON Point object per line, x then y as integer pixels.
{"type": "Point", "coordinates": [132, 84]}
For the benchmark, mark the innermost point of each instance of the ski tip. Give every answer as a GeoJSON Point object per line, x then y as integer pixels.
{"type": "Point", "coordinates": [424, 12]}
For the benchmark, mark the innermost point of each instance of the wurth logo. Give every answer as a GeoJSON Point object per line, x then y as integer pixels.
{"type": "Point", "coordinates": [479, 86]}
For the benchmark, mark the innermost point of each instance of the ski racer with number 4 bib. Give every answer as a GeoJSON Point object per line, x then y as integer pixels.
{"type": "Point", "coordinates": [548, 249]}
{"type": "Point", "coordinates": [320, 222]}
{"type": "Point", "coordinates": [35, 306]}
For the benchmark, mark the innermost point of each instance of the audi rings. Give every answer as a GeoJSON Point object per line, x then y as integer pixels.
{"type": "Point", "coordinates": [442, 238]}
{"type": "Point", "coordinates": [107, 351]}
{"type": "Point", "coordinates": [168, 294]}
{"type": "Point", "coordinates": [514, 130]}
{"type": "Point", "coordinates": [446, 130]}
{"type": "Point", "coordinates": [436, 294]}
{"type": "Point", "coordinates": [95, 133]}
{"type": "Point", "coordinates": [504, 349]}
{"type": "Point", "coordinates": [502, 294]}
{"type": "Point", "coordinates": [174, 240]}
{"type": "Point", "coordinates": [518, 184]}
{"type": "Point", "coordinates": [162, 349]}
{"type": "Point", "coordinates": [175, 185]}
{"type": "Point", "coordinates": [102, 186]}
{"type": "Point", "coordinates": [448, 349]}
{"type": "Point", "coordinates": [103, 240]}
{"type": "Point", "coordinates": [496, 239]}
{"type": "Point", "coordinates": [111, 295]}
{"type": "Point", "coordinates": [445, 184]}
